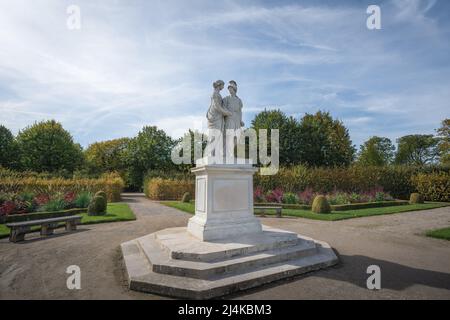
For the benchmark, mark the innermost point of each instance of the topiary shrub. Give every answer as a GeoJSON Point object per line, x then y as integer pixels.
{"type": "Point", "coordinates": [321, 205]}
{"type": "Point", "coordinates": [101, 194]}
{"type": "Point", "coordinates": [415, 198]}
{"type": "Point", "coordinates": [186, 197]}
{"type": "Point", "coordinates": [97, 207]}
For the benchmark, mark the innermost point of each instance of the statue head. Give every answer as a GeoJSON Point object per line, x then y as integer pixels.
{"type": "Point", "coordinates": [232, 87]}
{"type": "Point", "coordinates": [218, 85]}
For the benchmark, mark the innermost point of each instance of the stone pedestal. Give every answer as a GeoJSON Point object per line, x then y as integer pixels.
{"type": "Point", "coordinates": [223, 202]}
{"type": "Point", "coordinates": [225, 248]}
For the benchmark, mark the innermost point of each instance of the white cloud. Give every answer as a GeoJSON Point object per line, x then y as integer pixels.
{"type": "Point", "coordinates": [153, 64]}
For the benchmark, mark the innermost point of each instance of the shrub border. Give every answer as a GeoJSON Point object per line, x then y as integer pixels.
{"type": "Point", "coordinates": [367, 205]}
{"type": "Point", "coordinates": [339, 207]}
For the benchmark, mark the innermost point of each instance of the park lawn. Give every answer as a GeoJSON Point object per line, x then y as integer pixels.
{"type": "Point", "coordinates": [439, 233]}
{"type": "Point", "coordinates": [188, 207]}
{"type": "Point", "coordinates": [116, 211]}
{"type": "Point", "coordinates": [333, 216]}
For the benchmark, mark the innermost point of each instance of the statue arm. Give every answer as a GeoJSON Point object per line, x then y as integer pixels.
{"type": "Point", "coordinates": [242, 106]}
{"type": "Point", "coordinates": [219, 106]}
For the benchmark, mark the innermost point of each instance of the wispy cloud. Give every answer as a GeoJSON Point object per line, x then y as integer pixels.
{"type": "Point", "coordinates": [139, 63]}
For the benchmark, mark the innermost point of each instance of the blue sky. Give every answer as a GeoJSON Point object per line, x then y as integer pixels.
{"type": "Point", "coordinates": [136, 63]}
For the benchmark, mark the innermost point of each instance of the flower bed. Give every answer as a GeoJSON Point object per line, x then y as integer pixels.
{"type": "Point", "coordinates": [25, 203]}
{"type": "Point", "coordinates": [112, 185]}
{"type": "Point", "coordinates": [307, 196]}
{"type": "Point", "coordinates": [341, 207]}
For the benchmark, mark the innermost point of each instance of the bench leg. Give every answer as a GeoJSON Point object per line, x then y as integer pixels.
{"type": "Point", "coordinates": [71, 225]}
{"type": "Point", "coordinates": [47, 229]}
{"type": "Point", "coordinates": [18, 234]}
{"type": "Point", "coordinates": [278, 213]}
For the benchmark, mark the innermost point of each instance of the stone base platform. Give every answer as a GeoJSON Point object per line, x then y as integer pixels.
{"type": "Point", "coordinates": [172, 262]}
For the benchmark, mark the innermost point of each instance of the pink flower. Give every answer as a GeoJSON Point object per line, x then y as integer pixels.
{"type": "Point", "coordinates": [275, 196]}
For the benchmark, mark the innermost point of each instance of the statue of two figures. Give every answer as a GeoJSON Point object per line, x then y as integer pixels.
{"type": "Point", "coordinates": [224, 123]}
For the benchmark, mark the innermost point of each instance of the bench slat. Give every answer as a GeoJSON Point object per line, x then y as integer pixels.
{"type": "Point", "coordinates": [42, 221]}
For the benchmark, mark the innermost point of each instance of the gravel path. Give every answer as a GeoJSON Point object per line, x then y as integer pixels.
{"type": "Point", "coordinates": [412, 266]}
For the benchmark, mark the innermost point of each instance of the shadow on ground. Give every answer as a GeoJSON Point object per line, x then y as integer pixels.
{"type": "Point", "coordinates": [352, 269]}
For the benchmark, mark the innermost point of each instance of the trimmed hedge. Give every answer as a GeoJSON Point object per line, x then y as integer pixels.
{"type": "Point", "coordinates": [366, 205]}
{"type": "Point", "coordinates": [167, 189]}
{"type": "Point", "coordinates": [283, 205]}
{"type": "Point", "coordinates": [40, 215]}
{"type": "Point", "coordinates": [433, 186]}
{"type": "Point", "coordinates": [112, 186]}
{"type": "Point", "coordinates": [397, 180]}
{"type": "Point", "coordinates": [415, 198]}
{"type": "Point", "coordinates": [339, 207]}
{"type": "Point", "coordinates": [186, 197]}
{"type": "Point", "coordinates": [320, 205]}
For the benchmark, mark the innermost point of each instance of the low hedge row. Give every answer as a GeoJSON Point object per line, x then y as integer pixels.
{"type": "Point", "coordinates": [397, 180]}
{"type": "Point", "coordinates": [113, 186]}
{"type": "Point", "coordinates": [283, 205]}
{"type": "Point", "coordinates": [433, 186]}
{"type": "Point", "coordinates": [367, 205]}
{"type": "Point", "coordinates": [40, 215]}
{"type": "Point", "coordinates": [340, 207]}
{"type": "Point", "coordinates": [167, 189]}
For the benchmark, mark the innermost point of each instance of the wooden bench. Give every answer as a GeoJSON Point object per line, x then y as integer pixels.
{"type": "Point", "coordinates": [19, 229]}
{"type": "Point", "coordinates": [264, 208]}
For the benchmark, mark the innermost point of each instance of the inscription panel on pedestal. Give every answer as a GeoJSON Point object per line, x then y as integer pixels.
{"type": "Point", "coordinates": [231, 194]}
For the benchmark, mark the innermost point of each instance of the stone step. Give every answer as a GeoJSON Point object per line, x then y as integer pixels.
{"type": "Point", "coordinates": [182, 246]}
{"type": "Point", "coordinates": [142, 278]}
{"type": "Point", "coordinates": [162, 263]}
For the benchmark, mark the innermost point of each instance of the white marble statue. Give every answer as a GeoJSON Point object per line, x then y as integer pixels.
{"type": "Point", "coordinates": [216, 111]}
{"type": "Point", "coordinates": [233, 122]}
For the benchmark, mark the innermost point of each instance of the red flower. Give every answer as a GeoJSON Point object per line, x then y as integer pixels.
{"type": "Point", "coordinates": [7, 208]}
{"type": "Point", "coordinates": [69, 197]}
{"type": "Point", "coordinates": [42, 199]}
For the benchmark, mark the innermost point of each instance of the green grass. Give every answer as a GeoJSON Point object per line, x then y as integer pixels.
{"type": "Point", "coordinates": [117, 211]}
{"type": "Point", "coordinates": [333, 216]}
{"type": "Point", "coordinates": [439, 233]}
{"type": "Point", "coordinates": [183, 206]}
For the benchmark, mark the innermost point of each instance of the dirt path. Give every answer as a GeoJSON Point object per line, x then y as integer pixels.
{"type": "Point", "coordinates": [412, 265]}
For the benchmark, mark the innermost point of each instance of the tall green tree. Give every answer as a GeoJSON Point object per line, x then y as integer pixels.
{"type": "Point", "coordinates": [325, 141]}
{"type": "Point", "coordinates": [377, 151]}
{"type": "Point", "coordinates": [107, 156]}
{"type": "Point", "coordinates": [417, 149]}
{"type": "Point", "coordinates": [46, 146]}
{"type": "Point", "coordinates": [150, 150]}
{"type": "Point", "coordinates": [290, 148]}
{"type": "Point", "coordinates": [8, 148]}
{"type": "Point", "coordinates": [444, 142]}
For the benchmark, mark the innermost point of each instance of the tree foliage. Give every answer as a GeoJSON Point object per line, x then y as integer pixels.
{"type": "Point", "coordinates": [444, 142]}
{"type": "Point", "coordinates": [107, 156]}
{"type": "Point", "coordinates": [417, 149]}
{"type": "Point", "coordinates": [317, 140]}
{"type": "Point", "coordinates": [325, 141]}
{"type": "Point", "coordinates": [46, 147]}
{"type": "Point", "coordinates": [8, 148]}
{"type": "Point", "coordinates": [288, 133]}
{"type": "Point", "coordinates": [377, 151]}
{"type": "Point", "coordinates": [150, 150]}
